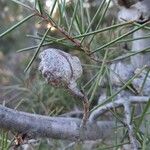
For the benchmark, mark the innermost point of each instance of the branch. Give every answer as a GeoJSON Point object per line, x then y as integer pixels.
{"type": "Point", "coordinates": [127, 113]}
{"type": "Point", "coordinates": [33, 126]}
{"type": "Point", "coordinates": [115, 104]}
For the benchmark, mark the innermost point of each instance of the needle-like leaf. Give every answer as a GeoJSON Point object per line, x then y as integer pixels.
{"type": "Point", "coordinates": [37, 51]}
{"type": "Point", "coordinates": [22, 4]}
{"type": "Point", "coordinates": [16, 25]}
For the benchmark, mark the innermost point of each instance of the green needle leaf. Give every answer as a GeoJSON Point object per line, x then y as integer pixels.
{"type": "Point", "coordinates": [122, 88]}
{"type": "Point", "coordinates": [22, 4]}
{"type": "Point", "coordinates": [143, 114]}
{"type": "Point", "coordinates": [38, 6]}
{"type": "Point", "coordinates": [37, 51]}
{"type": "Point", "coordinates": [120, 37]}
{"type": "Point", "coordinates": [16, 25]}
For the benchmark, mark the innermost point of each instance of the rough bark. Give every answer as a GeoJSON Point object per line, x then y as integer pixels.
{"type": "Point", "coordinates": [33, 126]}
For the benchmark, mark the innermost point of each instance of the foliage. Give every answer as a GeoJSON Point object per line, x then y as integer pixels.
{"type": "Point", "coordinates": [88, 32]}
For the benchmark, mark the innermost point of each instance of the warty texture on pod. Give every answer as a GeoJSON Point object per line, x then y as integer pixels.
{"type": "Point", "coordinates": [59, 68]}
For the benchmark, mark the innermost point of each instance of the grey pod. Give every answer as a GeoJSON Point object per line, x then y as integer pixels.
{"type": "Point", "coordinates": [60, 68]}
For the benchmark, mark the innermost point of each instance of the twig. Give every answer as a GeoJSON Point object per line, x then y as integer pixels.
{"type": "Point", "coordinates": [118, 103]}
{"type": "Point", "coordinates": [127, 112]}
{"type": "Point", "coordinates": [61, 30]}
{"type": "Point", "coordinates": [101, 110]}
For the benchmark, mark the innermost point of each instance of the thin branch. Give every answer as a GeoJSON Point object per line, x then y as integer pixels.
{"type": "Point", "coordinates": [126, 103]}
{"type": "Point", "coordinates": [33, 126]}
{"type": "Point", "coordinates": [49, 20]}
{"type": "Point", "coordinates": [101, 110]}
{"type": "Point", "coordinates": [127, 113]}
{"type": "Point", "coordinates": [115, 104]}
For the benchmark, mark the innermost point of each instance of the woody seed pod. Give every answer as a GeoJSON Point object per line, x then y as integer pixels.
{"type": "Point", "coordinates": [60, 68]}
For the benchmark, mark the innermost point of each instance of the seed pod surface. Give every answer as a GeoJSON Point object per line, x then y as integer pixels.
{"type": "Point", "coordinates": [59, 68]}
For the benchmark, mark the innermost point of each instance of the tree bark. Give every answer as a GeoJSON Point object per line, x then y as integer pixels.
{"type": "Point", "coordinates": [139, 60]}
{"type": "Point", "coordinates": [32, 126]}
